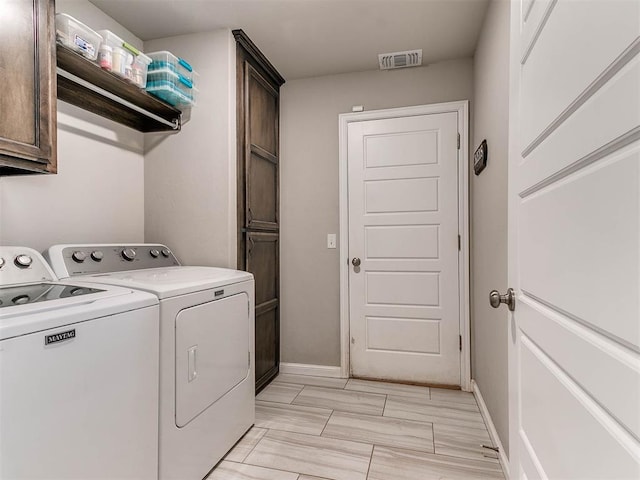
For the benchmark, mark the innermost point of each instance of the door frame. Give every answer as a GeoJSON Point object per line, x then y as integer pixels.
{"type": "Point", "coordinates": [462, 110]}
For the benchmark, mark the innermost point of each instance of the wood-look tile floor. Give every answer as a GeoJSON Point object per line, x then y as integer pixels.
{"type": "Point", "coordinates": [311, 428]}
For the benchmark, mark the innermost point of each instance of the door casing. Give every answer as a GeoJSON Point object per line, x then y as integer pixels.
{"type": "Point", "coordinates": [462, 110]}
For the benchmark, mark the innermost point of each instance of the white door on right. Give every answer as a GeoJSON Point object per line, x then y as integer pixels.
{"type": "Point", "coordinates": [574, 239]}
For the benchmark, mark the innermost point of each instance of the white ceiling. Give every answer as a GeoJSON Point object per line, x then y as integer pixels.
{"type": "Point", "coordinates": [306, 38]}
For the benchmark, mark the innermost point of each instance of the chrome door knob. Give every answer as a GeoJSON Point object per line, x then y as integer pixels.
{"type": "Point", "coordinates": [495, 299]}
{"type": "Point", "coordinates": [355, 262]}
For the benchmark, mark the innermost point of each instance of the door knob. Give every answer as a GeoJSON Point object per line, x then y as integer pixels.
{"type": "Point", "coordinates": [495, 299]}
{"type": "Point", "coordinates": [355, 262]}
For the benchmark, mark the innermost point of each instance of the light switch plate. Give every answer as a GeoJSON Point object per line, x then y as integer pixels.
{"type": "Point", "coordinates": [331, 240]}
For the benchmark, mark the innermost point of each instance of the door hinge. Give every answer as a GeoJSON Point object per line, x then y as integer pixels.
{"type": "Point", "coordinates": [249, 360]}
{"type": "Point", "coordinates": [460, 341]}
{"type": "Point", "coordinates": [459, 243]}
{"type": "Point", "coordinates": [458, 141]}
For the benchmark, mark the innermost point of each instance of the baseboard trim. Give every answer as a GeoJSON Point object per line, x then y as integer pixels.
{"type": "Point", "coordinates": [311, 370]}
{"type": "Point", "coordinates": [493, 433]}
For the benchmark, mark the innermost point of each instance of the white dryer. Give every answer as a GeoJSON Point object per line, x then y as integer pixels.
{"type": "Point", "coordinates": [78, 376]}
{"type": "Point", "coordinates": [207, 394]}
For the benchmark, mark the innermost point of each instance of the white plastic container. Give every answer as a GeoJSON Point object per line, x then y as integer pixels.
{"type": "Point", "coordinates": [122, 61]}
{"type": "Point", "coordinates": [105, 57]}
{"type": "Point", "coordinates": [110, 38]}
{"type": "Point", "coordinates": [77, 36]}
{"type": "Point", "coordinates": [139, 69]}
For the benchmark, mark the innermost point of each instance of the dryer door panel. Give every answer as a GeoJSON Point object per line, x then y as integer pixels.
{"type": "Point", "coordinates": [212, 353]}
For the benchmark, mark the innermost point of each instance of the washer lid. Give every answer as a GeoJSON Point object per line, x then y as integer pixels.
{"type": "Point", "coordinates": [41, 292]}
{"type": "Point", "coordinates": [172, 281]}
{"type": "Point", "coordinates": [96, 301]}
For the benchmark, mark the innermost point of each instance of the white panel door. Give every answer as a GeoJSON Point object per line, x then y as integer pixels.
{"type": "Point", "coordinates": [403, 227]}
{"type": "Point", "coordinates": [574, 239]}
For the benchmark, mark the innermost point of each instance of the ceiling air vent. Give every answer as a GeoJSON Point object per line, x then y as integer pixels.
{"type": "Point", "coordinates": [410, 58]}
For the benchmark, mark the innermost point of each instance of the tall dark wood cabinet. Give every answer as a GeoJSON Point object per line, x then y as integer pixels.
{"type": "Point", "coordinates": [258, 91]}
{"type": "Point", "coordinates": [28, 93]}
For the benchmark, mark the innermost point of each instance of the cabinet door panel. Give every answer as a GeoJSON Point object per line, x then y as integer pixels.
{"type": "Point", "coordinates": [263, 111]}
{"type": "Point", "coordinates": [261, 144]}
{"type": "Point", "coordinates": [19, 71]}
{"type": "Point", "coordinates": [267, 344]}
{"type": "Point", "coordinates": [262, 190]}
{"type": "Point", "coordinates": [28, 94]}
{"type": "Point", "coordinates": [262, 261]}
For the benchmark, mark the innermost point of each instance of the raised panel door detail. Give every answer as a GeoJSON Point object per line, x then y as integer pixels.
{"type": "Point", "coordinates": [262, 191]}
{"type": "Point", "coordinates": [266, 342]}
{"type": "Point", "coordinates": [569, 412]}
{"type": "Point", "coordinates": [556, 80]}
{"type": "Point", "coordinates": [403, 288]}
{"type": "Point", "coordinates": [409, 335]}
{"type": "Point", "coordinates": [609, 115]}
{"type": "Point", "coordinates": [263, 112]}
{"type": "Point", "coordinates": [401, 149]}
{"type": "Point", "coordinates": [585, 356]}
{"type": "Point", "coordinates": [402, 241]}
{"type": "Point", "coordinates": [575, 251]}
{"type": "Point", "coordinates": [401, 195]}
{"type": "Point", "coordinates": [262, 261]}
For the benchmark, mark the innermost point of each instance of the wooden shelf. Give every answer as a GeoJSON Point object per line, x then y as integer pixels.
{"type": "Point", "coordinates": [131, 106]}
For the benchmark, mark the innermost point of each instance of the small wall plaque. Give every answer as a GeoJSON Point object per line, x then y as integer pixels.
{"type": "Point", "coordinates": [480, 158]}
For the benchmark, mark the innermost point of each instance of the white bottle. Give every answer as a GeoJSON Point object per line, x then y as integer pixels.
{"type": "Point", "coordinates": [105, 57]}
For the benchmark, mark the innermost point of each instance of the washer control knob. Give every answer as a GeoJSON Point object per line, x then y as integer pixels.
{"type": "Point", "coordinates": [154, 253]}
{"type": "Point", "coordinates": [128, 254]}
{"type": "Point", "coordinates": [23, 261]}
{"type": "Point", "coordinates": [1, 262]}
{"type": "Point", "coordinates": [79, 256]}
{"type": "Point", "coordinates": [97, 255]}
{"type": "Point", "coordinates": [166, 252]}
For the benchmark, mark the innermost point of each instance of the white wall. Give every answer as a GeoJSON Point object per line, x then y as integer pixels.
{"type": "Point", "coordinates": [190, 177]}
{"type": "Point", "coordinates": [489, 216]}
{"type": "Point", "coordinates": [97, 195]}
{"type": "Point", "coordinates": [309, 205]}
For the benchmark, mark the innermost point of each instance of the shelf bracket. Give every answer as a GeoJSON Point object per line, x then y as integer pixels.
{"type": "Point", "coordinates": [174, 124]}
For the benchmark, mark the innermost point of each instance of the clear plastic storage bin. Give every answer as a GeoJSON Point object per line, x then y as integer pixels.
{"type": "Point", "coordinates": [77, 36]}
{"type": "Point", "coordinates": [172, 87]}
{"type": "Point", "coordinates": [167, 60]}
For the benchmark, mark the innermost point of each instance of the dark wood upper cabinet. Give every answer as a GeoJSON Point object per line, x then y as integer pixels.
{"type": "Point", "coordinates": [28, 94]}
{"type": "Point", "coordinates": [258, 106]}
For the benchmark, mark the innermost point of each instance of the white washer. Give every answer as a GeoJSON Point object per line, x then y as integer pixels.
{"type": "Point", "coordinates": [78, 376]}
{"type": "Point", "coordinates": [207, 394]}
